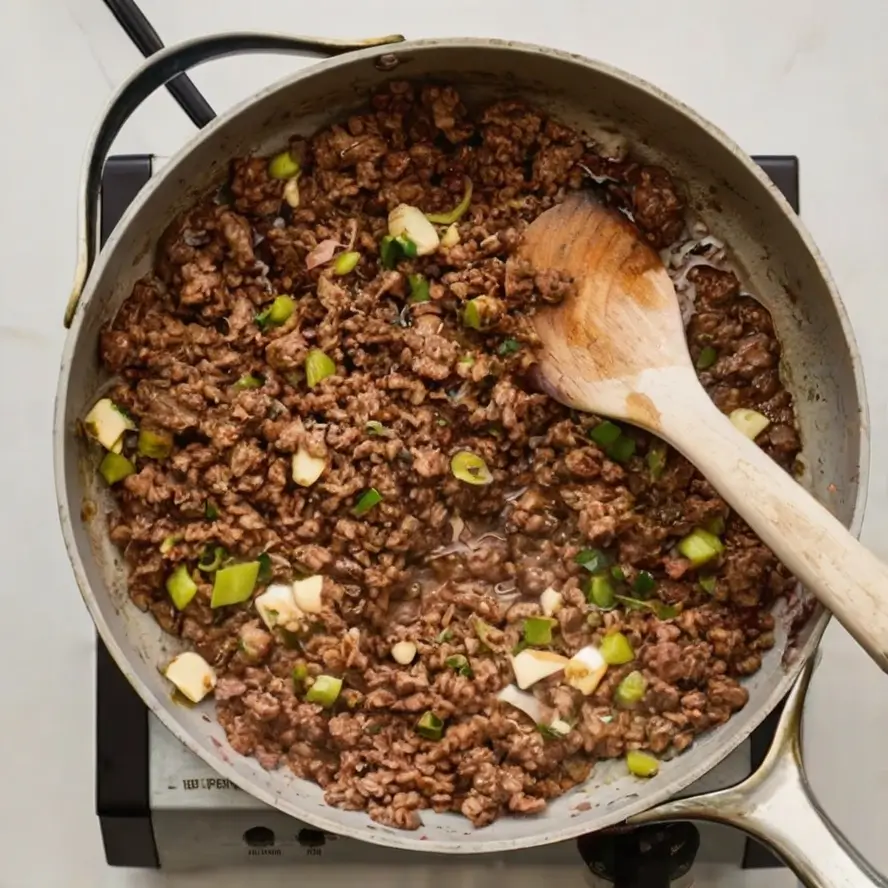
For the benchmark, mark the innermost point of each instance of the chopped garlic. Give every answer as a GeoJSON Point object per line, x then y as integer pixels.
{"type": "Point", "coordinates": [307, 594]}
{"type": "Point", "coordinates": [404, 652]}
{"type": "Point", "coordinates": [585, 669]}
{"type": "Point", "coordinates": [450, 238]}
{"type": "Point", "coordinates": [291, 192]}
{"type": "Point", "coordinates": [522, 700]}
{"type": "Point", "coordinates": [409, 222]}
{"type": "Point", "coordinates": [551, 602]}
{"type": "Point", "coordinates": [307, 468]}
{"type": "Point", "coordinates": [531, 666]}
{"type": "Point", "coordinates": [750, 422]}
{"type": "Point", "coordinates": [192, 675]}
{"type": "Point", "coordinates": [277, 606]}
{"type": "Point", "coordinates": [107, 424]}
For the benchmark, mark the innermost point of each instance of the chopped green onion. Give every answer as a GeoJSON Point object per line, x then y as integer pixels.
{"type": "Point", "coordinates": [345, 263]}
{"type": "Point", "coordinates": [663, 611]}
{"type": "Point", "coordinates": [390, 252]}
{"type": "Point", "coordinates": [114, 467]}
{"type": "Point", "coordinates": [283, 166]}
{"type": "Point", "coordinates": [631, 689]}
{"type": "Point", "coordinates": [700, 546]}
{"type": "Point", "coordinates": [377, 429]}
{"type": "Point", "coordinates": [408, 247]}
{"type": "Point", "coordinates": [444, 635]}
{"type": "Point", "coordinates": [168, 542]}
{"type": "Point", "coordinates": [324, 691]}
{"type": "Point", "coordinates": [716, 525]}
{"type": "Point", "coordinates": [367, 500]}
{"type": "Point", "coordinates": [549, 732]}
{"type": "Point", "coordinates": [156, 445]}
{"type": "Point", "coordinates": [622, 449]}
{"type": "Point", "coordinates": [265, 572]}
{"type": "Point", "coordinates": [419, 288]}
{"type": "Point", "coordinates": [430, 726]}
{"type": "Point", "coordinates": [606, 433]}
{"type": "Point", "coordinates": [181, 587]}
{"type": "Point", "coordinates": [482, 630]}
{"type": "Point", "coordinates": [211, 513]}
{"type": "Point", "coordinates": [616, 649]}
{"type": "Point", "coordinates": [480, 312]}
{"type": "Point", "coordinates": [234, 584]}
{"type": "Point", "coordinates": [469, 467]}
{"type": "Point", "coordinates": [457, 212]}
{"type": "Point", "coordinates": [601, 592]}
{"type": "Point", "coordinates": [508, 347]}
{"type": "Point", "coordinates": [593, 560]}
{"type": "Point", "coordinates": [280, 310]}
{"type": "Point", "coordinates": [641, 764]}
{"type": "Point", "coordinates": [468, 359]}
{"type": "Point", "coordinates": [644, 584]}
{"type": "Point", "coordinates": [318, 366]}
{"type": "Point", "coordinates": [212, 559]}
{"type": "Point", "coordinates": [618, 573]}
{"type": "Point", "coordinates": [656, 459]}
{"type": "Point", "coordinates": [707, 358]}
{"type": "Point", "coordinates": [708, 584]}
{"type": "Point", "coordinates": [249, 381]}
{"type": "Point", "coordinates": [538, 630]}
{"type": "Point", "coordinates": [459, 664]}
{"type": "Point", "coordinates": [300, 673]}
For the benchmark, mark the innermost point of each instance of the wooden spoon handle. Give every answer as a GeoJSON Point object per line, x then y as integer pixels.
{"type": "Point", "coordinates": [809, 540]}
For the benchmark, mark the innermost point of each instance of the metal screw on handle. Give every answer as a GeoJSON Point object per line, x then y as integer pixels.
{"type": "Point", "coordinates": [153, 74]}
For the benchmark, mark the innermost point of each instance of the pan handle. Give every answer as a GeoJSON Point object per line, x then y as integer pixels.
{"type": "Point", "coordinates": [775, 805]}
{"type": "Point", "coordinates": [154, 73]}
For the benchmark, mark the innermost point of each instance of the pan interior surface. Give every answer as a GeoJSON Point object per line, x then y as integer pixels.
{"type": "Point", "coordinates": [775, 259]}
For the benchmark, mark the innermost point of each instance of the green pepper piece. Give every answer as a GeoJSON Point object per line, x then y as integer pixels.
{"type": "Point", "coordinates": [367, 500]}
{"type": "Point", "coordinates": [606, 433]}
{"type": "Point", "coordinates": [460, 665]}
{"type": "Point", "coordinates": [616, 650]}
{"type": "Point", "coordinates": [444, 635]}
{"type": "Point", "coordinates": [265, 572]}
{"type": "Point", "coordinates": [622, 449]}
{"type": "Point", "coordinates": [407, 246]}
{"type": "Point", "coordinates": [538, 630]}
{"type": "Point", "coordinates": [480, 312]}
{"type": "Point", "coordinates": [641, 764]}
{"type": "Point", "coordinates": [168, 542]}
{"type": "Point", "coordinates": [430, 726]}
{"type": "Point", "coordinates": [281, 310]}
{"type": "Point", "coordinates": [324, 691]}
{"type": "Point", "coordinates": [419, 288]}
{"type": "Point", "coordinates": [300, 673]}
{"type": "Point", "coordinates": [700, 546]}
{"type": "Point", "coordinates": [318, 366]}
{"type": "Point", "coordinates": [283, 166]}
{"type": "Point", "coordinates": [508, 347]}
{"type": "Point", "coordinates": [212, 559]}
{"type": "Point", "coordinates": [707, 358]}
{"type": "Point", "coordinates": [211, 513]}
{"type": "Point", "coordinates": [249, 381]}
{"type": "Point", "coordinates": [631, 689]}
{"type": "Point", "coordinates": [181, 587]}
{"type": "Point", "coordinates": [345, 263]}
{"type": "Point", "coordinates": [457, 212]}
{"type": "Point", "coordinates": [708, 584]}
{"type": "Point", "coordinates": [593, 560]}
{"type": "Point", "coordinates": [234, 584]}
{"type": "Point", "coordinates": [390, 252]}
{"type": "Point", "coordinates": [156, 445]}
{"type": "Point", "coordinates": [644, 584]}
{"type": "Point", "coordinates": [115, 467]}
{"type": "Point", "coordinates": [376, 429]}
{"type": "Point", "coordinates": [618, 573]}
{"type": "Point", "coordinates": [716, 525]}
{"type": "Point", "coordinates": [601, 592]}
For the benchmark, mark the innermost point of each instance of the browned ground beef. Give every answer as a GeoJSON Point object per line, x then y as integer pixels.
{"type": "Point", "coordinates": [189, 332]}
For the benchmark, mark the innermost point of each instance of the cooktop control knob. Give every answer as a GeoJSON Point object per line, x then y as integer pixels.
{"type": "Point", "coordinates": [657, 856]}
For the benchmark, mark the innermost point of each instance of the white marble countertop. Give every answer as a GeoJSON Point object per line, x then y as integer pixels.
{"type": "Point", "coordinates": [806, 77]}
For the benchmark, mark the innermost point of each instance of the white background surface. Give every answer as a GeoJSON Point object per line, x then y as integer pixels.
{"type": "Point", "coordinates": [808, 77]}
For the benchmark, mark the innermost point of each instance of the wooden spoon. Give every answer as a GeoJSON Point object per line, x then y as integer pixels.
{"type": "Point", "coordinates": [617, 347]}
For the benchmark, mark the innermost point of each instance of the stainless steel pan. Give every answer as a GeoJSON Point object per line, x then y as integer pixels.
{"type": "Point", "coordinates": [781, 265]}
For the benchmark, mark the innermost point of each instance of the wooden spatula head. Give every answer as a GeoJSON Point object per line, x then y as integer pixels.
{"type": "Point", "coordinates": [622, 317]}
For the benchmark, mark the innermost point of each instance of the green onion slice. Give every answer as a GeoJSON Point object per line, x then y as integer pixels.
{"type": "Point", "coordinates": [641, 764]}
{"type": "Point", "coordinates": [419, 288]}
{"type": "Point", "coordinates": [538, 630]}
{"type": "Point", "coordinates": [470, 468]}
{"type": "Point", "coordinates": [390, 252]}
{"type": "Point", "coordinates": [168, 542]}
{"type": "Point", "coordinates": [662, 610]}
{"type": "Point", "coordinates": [367, 500]}
{"type": "Point", "coordinates": [631, 689]}
{"type": "Point", "coordinates": [300, 673]}
{"type": "Point", "coordinates": [181, 587]}
{"type": "Point", "coordinates": [601, 593]}
{"type": "Point", "coordinates": [430, 726]}
{"type": "Point", "coordinates": [707, 358]}
{"type": "Point", "coordinates": [408, 247]}
{"type": "Point", "coordinates": [318, 366]}
{"type": "Point", "coordinates": [345, 263]}
{"type": "Point", "coordinates": [155, 445]}
{"type": "Point", "coordinates": [212, 559]}
{"type": "Point", "coordinates": [234, 584]}
{"type": "Point", "coordinates": [700, 546]}
{"type": "Point", "coordinates": [324, 691]}
{"type": "Point", "coordinates": [459, 664]}
{"type": "Point", "coordinates": [593, 560]}
{"type": "Point", "coordinates": [457, 212]}
{"type": "Point", "coordinates": [444, 635]}
{"type": "Point", "coordinates": [508, 347]}
{"type": "Point", "coordinates": [283, 166]}
{"type": "Point", "coordinates": [708, 583]}
{"type": "Point", "coordinates": [115, 467]}
{"type": "Point", "coordinates": [249, 381]}
{"type": "Point", "coordinates": [265, 572]}
{"type": "Point", "coordinates": [211, 513]}
{"type": "Point", "coordinates": [616, 649]}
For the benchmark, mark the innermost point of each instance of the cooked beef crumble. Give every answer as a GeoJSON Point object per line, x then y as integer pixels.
{"type": "Point", "coordinates": [428, 386]}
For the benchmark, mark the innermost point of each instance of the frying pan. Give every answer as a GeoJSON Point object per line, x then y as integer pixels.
{"type": "Point", "coordinates": [778, 262]}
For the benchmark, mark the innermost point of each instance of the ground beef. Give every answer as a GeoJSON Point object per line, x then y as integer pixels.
{"type": "Point", "coordinates": [454, 568]}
